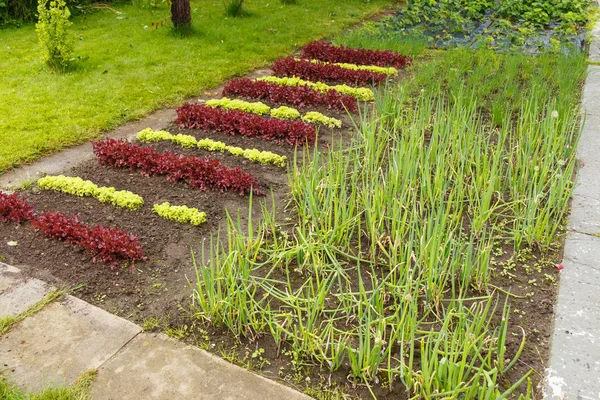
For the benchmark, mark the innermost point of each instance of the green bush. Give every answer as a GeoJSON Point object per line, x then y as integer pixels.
{"type": "Point", "coordinates": [15, 12]}
{"type": "Point", "coordinates": [52, 29]}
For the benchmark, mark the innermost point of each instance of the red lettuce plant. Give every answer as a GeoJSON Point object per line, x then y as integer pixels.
{"type": "Point", "coordinates": [299, 96]}
{"type": "Point", "coordinates": [14, 209]}
{"type": "Point", "coordinates": [316, 71]}
{"type": "Point", "coordinates": [107, 244]}
{"type": "Point", "coordinates": [232, 122]}
{"type": "Point", "coordinates": [325, 51]}
{"type": "Point", "coordinates": [201, 173]}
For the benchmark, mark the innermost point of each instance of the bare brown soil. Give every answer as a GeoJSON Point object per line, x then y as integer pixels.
{"type": "Point", "coordinates": [157, 293]}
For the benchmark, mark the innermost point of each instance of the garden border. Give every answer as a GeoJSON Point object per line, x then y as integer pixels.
{"type": "Point", "coordinates": [574, 367]}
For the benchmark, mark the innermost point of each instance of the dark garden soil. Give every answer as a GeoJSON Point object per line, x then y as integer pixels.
{"type": "Point", "coordinates": [157, 293]}
{"type": "Point", "coordinates": [159, 286]}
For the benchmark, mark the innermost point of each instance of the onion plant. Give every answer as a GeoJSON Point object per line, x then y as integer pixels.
{"type": "Point", "coordinates": [386, 271]}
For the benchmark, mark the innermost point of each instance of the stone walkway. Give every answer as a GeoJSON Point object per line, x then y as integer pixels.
{"type": "Point", "coordinates": [574, 368]}
{"type": "Point", "coordinates": [69, 337]}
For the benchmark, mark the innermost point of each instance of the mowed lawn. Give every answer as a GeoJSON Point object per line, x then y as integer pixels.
{"type": "Point", "coordinates": [125, 69]}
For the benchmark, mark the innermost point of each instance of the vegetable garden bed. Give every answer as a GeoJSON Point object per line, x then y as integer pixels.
{"type": "Point", "coordinates": [409, 255]}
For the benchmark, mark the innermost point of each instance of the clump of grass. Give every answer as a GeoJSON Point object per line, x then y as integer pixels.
{"type": "Point", "coordinates": [78, 391]}
{"type": "Point", "coordinates": [7, 322]}
{"type": "Point", "coordinates": [234, 8]}
{"type": "Point", "coordinates": [375, 39]}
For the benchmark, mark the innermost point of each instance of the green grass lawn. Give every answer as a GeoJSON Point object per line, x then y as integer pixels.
{"type": "Point", "coordinates": [127, 69]}
{"type": "Point", "coordinates": [79, 390]}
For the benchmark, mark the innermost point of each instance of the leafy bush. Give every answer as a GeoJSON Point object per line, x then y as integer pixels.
{"type": "Point", "coordinates": [570, 14]}
{"type": "Point", "coordinates": [296, 95]}
{"type": "Point", "coordinates": [52, 30]}
{"type": "Point", "coordinates": [325, 51]}
{"type": "Point", "coordinates": [107, 244]}
{"type": "Point", "coordinates": [182, 214]}
{"type": "Point", "coordinates": [264, 157]}
{"type": "Point", "coordinates": [318, 71]}
{"type": "Point", "coordinates": [458, 16]}
{"type": "Point", "coordinates": [197, 172]}
{"type": "Point", "coordinates": [78, 187]}
{"type": "Point", "coordinates": [15, 12]}
{"type": "Point", "coordinates": [14, 209]}
{"type": "Point", "coordinates": [364, 94]}
{"type": "Point", "coordinates": [232, 122]}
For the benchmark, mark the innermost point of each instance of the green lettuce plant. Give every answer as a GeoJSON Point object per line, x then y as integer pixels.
{"type": "Point", "coordinates": [363, 94]}
{"type": "Point", "coordinates": [78, 187]}
{"type": "Point", "coordinates": [314, 117]}
{"type": "Point", "coordinates": [148, 135]}
{"type": "Point", "coordinates": [284, 112]}
{"type": "Point", "coordinates": [182, 214]}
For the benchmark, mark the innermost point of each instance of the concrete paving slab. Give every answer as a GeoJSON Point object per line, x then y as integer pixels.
{"type": "Point", "coordinates": [21, 296]}
{"type": "Point", "coordinates": [595, 43]}
{"type": "Point", "coordinates": [590, 103]}
{"type": "Point", "coordinates": [585, 205]}
{"type": "Point", "coordinates": [154, 366]}
{"type": "Point", "coordinates": [9, 276]}
{"type": "Point", "coordinates": [589, 142]}
{"type": "Point", "coordinates": [574, 365]}
{"type": "Point", "coordinates": [56, 345]}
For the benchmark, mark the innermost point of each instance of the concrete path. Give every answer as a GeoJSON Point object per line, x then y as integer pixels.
{"type": "Point", "coordinates": [574, 368]}
{"type": "Point", "coordinates": [68, 337]}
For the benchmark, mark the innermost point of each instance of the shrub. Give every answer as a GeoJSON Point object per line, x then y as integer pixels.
{"type": "Point", "coordinates": [106, 244]}
{"type": "Point", "coordinates": [197, 172]}
{"type": "Point", "coordinates": [14, 209]}
{"type": "Point", "coordinates": [182, 214]}
{"type": "Point", "coordinates": [78, 187]}
{"type": "Point", "coordinates": [296, 95]}
{"type": "Point", "coordinates": [52, 30]}
{"type": "Point", "coordinates": [232, 122]}
{"type": "Point", "coordinates": [14, 12]}
{"type": "Point", "coordinates": [317, 71]}
{"type": "Point", "coordinates": [325, 51]}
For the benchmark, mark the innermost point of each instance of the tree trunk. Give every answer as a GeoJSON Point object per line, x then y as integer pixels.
{"type": "Point", "coordinates": [181, 14]}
